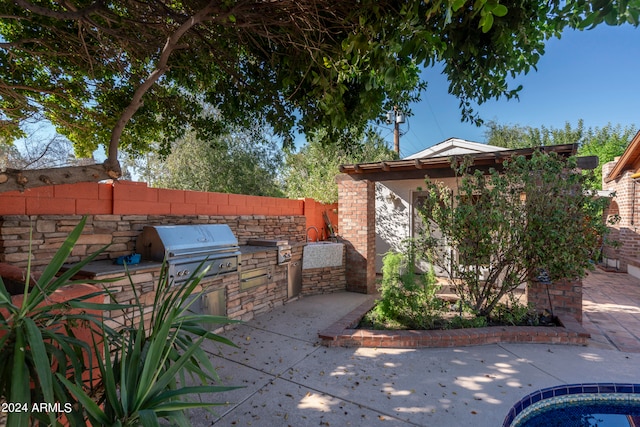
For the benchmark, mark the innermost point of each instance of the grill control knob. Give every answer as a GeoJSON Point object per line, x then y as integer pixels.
{"type": "Point", "coordinates": [229, 264]}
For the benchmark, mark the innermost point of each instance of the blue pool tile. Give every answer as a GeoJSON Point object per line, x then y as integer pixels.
{"type": "Point", "coordinates": [518, 407]}
{"type": "Point", "coordinates": [536, 397]}
{"type": "Point", "coordinates": [590, 388]}
{"type": "Point", "coordinates": [575, 389]}
{"type": "Point", "coordinates": [547, 394]}
{"type": "Point", "coordinates": [606, 388]}
{"type": "Point", "coordinates": [560, 391]}
{"type": "Point", "coordinates": [624, 388]}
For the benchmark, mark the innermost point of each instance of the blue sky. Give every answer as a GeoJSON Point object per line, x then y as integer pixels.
{"type": "Point", "coordinates": [592, 75]}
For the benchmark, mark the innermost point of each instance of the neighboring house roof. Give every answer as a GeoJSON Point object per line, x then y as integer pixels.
{"type": "Point", "coordinates": [440, 167]}
{"type": "Point", "coordinates": [455, 147]}
{"type": "Point", "coordinates": [630, 160]}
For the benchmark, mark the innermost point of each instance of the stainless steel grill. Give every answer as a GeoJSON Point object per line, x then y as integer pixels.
{"type": "Point", "coordinates": [185, 247]}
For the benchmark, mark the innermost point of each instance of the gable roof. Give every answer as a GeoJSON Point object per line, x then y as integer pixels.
{"type": "Point", "coordinates": [455, 147]}
{"type": "Point", "coordinates": [630, 160]}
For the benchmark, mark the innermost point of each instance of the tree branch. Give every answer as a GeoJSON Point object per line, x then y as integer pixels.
{"type": "Point", "coordinates": [111, 164]}
{"type": "Point", "coordinates": [19, 180]}
{"type": "Point", "coordinates": [72, 15]}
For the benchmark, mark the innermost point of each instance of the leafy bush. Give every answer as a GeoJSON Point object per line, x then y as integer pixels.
{"type": "Point", "coordinates": [513, 312]}
{"type": "Point", "coordinates": [405, 296]}
{"type": "Point", "coordinates": [505, 226]}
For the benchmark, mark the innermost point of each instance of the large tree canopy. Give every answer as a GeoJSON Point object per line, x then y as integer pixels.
{"type": "Point", "coordinates": [124, 73]}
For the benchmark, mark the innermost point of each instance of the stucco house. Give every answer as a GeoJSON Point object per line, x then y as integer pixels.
{"type": "Point", "coordinates": [622, 176]}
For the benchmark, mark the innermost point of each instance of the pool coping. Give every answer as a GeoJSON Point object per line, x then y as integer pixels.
{"type": "Point", "coordinates": [586, 392]}
{"type": "Point", "coordinates": [343, 334]}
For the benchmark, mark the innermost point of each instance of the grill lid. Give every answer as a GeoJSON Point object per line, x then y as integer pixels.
{"type": "Point", "coordinates": [173, 241]}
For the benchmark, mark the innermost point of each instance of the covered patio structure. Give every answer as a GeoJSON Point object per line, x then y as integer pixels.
{"type": "Point", "coordinates": [357, 211]}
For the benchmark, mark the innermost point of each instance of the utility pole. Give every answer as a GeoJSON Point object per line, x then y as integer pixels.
{"type": "Point", "coordinates": [396, 117]}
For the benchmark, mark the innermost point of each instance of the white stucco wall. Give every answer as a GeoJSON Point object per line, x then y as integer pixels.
{"type": "Point", "coordinates": [393, 214]}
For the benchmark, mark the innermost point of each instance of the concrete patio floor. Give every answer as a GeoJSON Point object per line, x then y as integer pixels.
{"type": "Point", "coordinates": [289, 380]}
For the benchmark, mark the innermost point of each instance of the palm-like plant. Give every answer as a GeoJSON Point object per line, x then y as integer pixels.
{"type": "Point", "coordinates": [36, 337]}
{"type": "Point", "coordinates": [145, 372]}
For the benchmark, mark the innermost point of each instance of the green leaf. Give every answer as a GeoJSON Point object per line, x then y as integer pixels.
{"type": "Point", "coordinates": [500, 10]}
{"type": "Point", "coordinates": [89, 405]}
{"type": "Point", "coordinates": [19, 382]}
{"type": "Point", "coordinates": [148, 418]}
{"type": "Point", "coordinates": [486, 22]}
{"type": "Point", "coordinates": [457, 4]}
{"type": "Point", "coordinates": [41, 361]}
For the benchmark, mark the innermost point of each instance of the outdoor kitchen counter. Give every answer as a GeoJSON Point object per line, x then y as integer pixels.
{"type": "Point", "coordinates": [103, 268]}
{"type": "Point", "coordinates": [249, 249]}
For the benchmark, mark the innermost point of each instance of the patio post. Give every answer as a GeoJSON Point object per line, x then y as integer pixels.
{"type": "Point", "coordinates": [356, 226]}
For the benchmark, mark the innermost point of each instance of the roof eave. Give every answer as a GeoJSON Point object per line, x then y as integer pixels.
{"type": "Point", "coordinates": [629, 159]}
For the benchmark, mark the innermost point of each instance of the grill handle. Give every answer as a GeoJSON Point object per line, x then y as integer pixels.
{"type": "Point", "coordinates": [267, 275]}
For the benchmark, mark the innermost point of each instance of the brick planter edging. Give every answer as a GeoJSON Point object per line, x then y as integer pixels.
{"type": "Point", "coordinates": [343, 334]}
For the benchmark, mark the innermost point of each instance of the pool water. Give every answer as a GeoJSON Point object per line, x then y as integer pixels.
{"type": "Point", "coordinates": [586, 416]}
{"type": "Point", "coordinates": [578, 405]}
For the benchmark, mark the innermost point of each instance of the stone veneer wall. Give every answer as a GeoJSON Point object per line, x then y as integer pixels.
{"type": "Point", "coordinates": [47, 232]}
{"type": "Point", "coordinates": [241, 304]}
{"type": "Point", "coordinates": [324, 280]}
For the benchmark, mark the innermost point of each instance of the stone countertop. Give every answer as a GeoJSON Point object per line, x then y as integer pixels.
{"type": "Point", "coordinates": [249, 249]}
{"type": "Point", "coordinates": [102, 268]}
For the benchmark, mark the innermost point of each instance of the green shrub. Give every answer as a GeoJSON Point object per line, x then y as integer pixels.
{"type": "Point", "coordinates": [405, 296]}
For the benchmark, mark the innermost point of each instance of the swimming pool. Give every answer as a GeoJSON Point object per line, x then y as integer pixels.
{"type": "Point", "coordinates": [579, 405]}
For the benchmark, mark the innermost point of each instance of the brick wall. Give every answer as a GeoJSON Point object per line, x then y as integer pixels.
{"type": "Point", "coordinates": [313, 213]}
{"type": "Point", "coordinates": [135, 198]}
{"type": "Point", "coordinates": [356, 222]}
{"type": "Point", "coordinates": [626, 232]}
{"type": "Point", "coordinates": [565, 295]}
